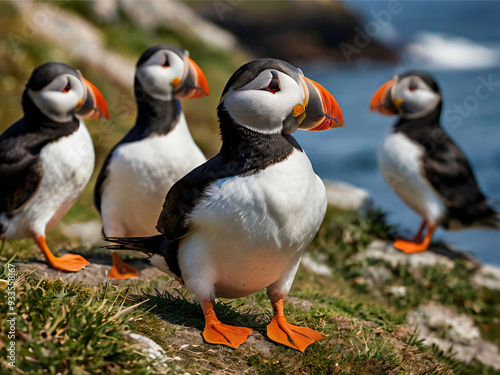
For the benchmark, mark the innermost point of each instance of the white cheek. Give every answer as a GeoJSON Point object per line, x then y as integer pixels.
{"type": "Point", "coordinates": [419, 100]}
{"type": "Point", "coordinates": [258, 110]}
{"type": "Point", "coordinates": [57, 105]}
{"type": "Point", "coordinates": [262, 110]}
{"type": "Point", "coordinates": [157, 80]}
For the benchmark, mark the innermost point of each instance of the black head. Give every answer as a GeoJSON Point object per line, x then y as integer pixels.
{"type": "Point", "coordinates": [271, 96]}
{"type": "Point", "coordinates": [46, 73]}
{"type": "Point", "coordinates": [59, 91]}
{"type": "Point", "coordinates": [412, 95]}
{"type": "Point", "coordinates": [164, 71]}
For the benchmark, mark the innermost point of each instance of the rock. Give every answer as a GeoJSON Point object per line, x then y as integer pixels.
{"type": "Point", "coordinates": [379, 274]}
{"type": "Point", "coordinates": [300, 303]}
{"type": "Point", "coordinates": [88, 233]}
{"type": "Point", "coordinates": [150, 348]}
{"type": "Point", "coordinates": [315, 267]}
{"type": "Point", "coordinates": [106, 11]}
{"type": "Point", "coordinates": [374, 277]}
{"type": "Point", "coordinates": [80, 39]}
{"type": "Point", "coordinates": [347, 197]}
{"type": "Point", "coordinates": [93, 274]}
{"type": "Point", "coordinates": [460, 333]}
{"type": "Point", "coordinates": [487, 277]}
{"type": "Point", "coordinates": [295, 31]}
{"type": "Point", "coordinates": [384, 250]}
{"type": "Point", "coordinates": [174, 15]}
{"type": "Point", "coordinates": [397, 291]}
{"type": "Point", "coordinates": [177, 16]}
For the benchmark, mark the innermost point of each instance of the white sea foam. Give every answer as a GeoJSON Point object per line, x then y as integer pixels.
{"type": "Point", "coordinates": [444, 51]}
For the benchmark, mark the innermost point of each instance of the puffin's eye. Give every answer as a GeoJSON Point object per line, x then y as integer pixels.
{"type": "Point", "coordinates": [166, 63]}
{"type": "Point", "coordinates": [67, 87]}
{"type": "Point", "coordinates": [413, 86]}
{"type": "Point", "coordinates": [274, 85]}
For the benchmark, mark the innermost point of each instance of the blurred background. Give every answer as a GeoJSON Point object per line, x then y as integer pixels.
{"type": "Point", "coordinates": [350, 47]}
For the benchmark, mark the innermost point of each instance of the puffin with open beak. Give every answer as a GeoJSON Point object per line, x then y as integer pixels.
{"type": "Point", "coordinates": [47, 157]}
{"type": "Point", "coordinates": [155, 153]}
{"type": "Point", "coordinates": [422, 164]}
{"type": "Point", "coordinates": [241, 221]}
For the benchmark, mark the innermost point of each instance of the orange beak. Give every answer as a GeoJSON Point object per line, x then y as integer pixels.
{"type": "Point", "coordinates": [322, 110]}
{"type": "Point", "coordinates": [95, 106]}
{"type": "Point", "coordinates": [379, 101]}
{"type": "Point", "coordinates": [195, 84]}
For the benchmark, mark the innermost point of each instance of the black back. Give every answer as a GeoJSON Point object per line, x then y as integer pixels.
{"type": "Point", "coordinates": [448, 171]}
{"type": "Point", "coordinates": [21, 169]}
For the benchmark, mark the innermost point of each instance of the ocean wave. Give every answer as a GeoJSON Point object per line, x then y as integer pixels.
{"type": "Point", "coordinates": [452, 52]}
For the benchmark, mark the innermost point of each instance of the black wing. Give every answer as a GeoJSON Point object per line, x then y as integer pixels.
{"type": "Point", "coordinates": [186, 192]}
{"type": "Point", "coordinates": [21, 169]}
{"type": "Point", "coordinates": [450, 174]}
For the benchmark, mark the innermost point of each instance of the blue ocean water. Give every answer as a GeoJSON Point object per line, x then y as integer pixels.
{"type": "Point", "coordinates": [458, 42]}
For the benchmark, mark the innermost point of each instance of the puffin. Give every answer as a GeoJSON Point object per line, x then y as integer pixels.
{"type": "Point", "coordinates": [156, 152]}
{"type": "Point", "coordinates": [47, 157]}
{"type": "Point", "coordinates": [423, 166]}
{"type": "Point", "coordinates": [241, 221]}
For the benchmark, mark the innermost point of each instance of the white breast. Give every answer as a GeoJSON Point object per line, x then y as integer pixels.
{"type": "Point", "coordinates": [68, 164]}
{"type": "Point", "coordinates": [250, 232]}
{"type": "Point", "coordinates": [399, 160]}
{"type": "Point", "coordinates": [139, 176]}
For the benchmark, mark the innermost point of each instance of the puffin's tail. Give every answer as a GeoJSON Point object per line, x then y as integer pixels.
{"type": "Point", "coordinates": [147, 245]}
{"type": "Point", "coordinates": [156, 247]}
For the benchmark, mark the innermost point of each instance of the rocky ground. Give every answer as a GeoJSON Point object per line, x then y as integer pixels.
{"type": "Point", "coordinates": [380, 310]}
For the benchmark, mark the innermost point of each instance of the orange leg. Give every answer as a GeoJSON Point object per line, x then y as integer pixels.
{"type": "Point", "coordinates": [281, 331]}
{"type": "Point", "coordinates": [415, 247]}
{"type": "Point", "coordinates": [418, 236]}
{"type": "Point", "coordinates": [120, 269]}
{"type": "Point", "coordinates": [217, 333]}
{"type": "Point", "coordinates": [68, 262]}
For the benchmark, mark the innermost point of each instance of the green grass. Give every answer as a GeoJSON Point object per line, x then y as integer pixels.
{"type": "Point", "coordinates": [362, 333]}
{"type": "Point", "coordinates": [62, 327]}
{"type": "Point", "coordinates": [345, 234]}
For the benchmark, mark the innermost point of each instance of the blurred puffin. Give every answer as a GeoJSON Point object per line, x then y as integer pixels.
{"type": "Point", "coordinates": [47, 157]}
{"type": "Point", "coordinates": [241, 221]}
{"type": "Point", "coordinates": [155, 153]}
{"type": "Point", "coordinates": [422, 164]}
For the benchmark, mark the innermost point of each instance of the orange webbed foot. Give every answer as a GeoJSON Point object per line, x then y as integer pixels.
{"type": "Point", "coordinates": [282, 332]}
{"type": "Point", "coordinates": [121, 270]}
{"type": "Point", "coordinates": [299, 338]}
{"type": "Point", "coordinates": [217, 333]}
{"type": "Point", "coordinates": [409, 246]}
{"type": "Point", "coordinates": [68, 262]}
{"type": "Point", "coordinates": [416, 247]}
